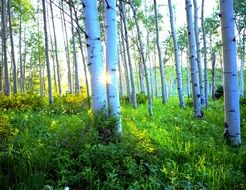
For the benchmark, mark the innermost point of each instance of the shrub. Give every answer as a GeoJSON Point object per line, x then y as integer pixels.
{"type": "Point", "coordinates": [219, 92]}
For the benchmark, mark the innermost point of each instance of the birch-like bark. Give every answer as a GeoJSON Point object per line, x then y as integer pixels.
{"type": "Point", "coordinates": [206, 86]}
{"type": "Point", "coordinates": [177, 56]}
{"type": "Point", "coordinates": [242, 53]}
{"type": "Point", "coordinates": [193, 65]}
{"type": "Point", "coordinates": [4, 49]}
{"type": "Point", "coordinates": [95, 59]}
{"type": "Point", "coordinates": [112, 61]}
{"type": "Point", "coordinates": [133, 88]}
{"type": "Point", "coordinates": [75, 62]}
{"type": "Point", "coordinates": [83, 56]}
{"type": "Point", "coordinates": [213, 75]}
{"type": "Point", "coordinates": [14, 72]}
{"type": "Point", "coordinates": [64, 29]}
{"type": "Point", "coordinates": [198, 53]}
{"type": "Point", "coordinates": [163, 85]}
{"type": "Point", "coordinates": [188, 77]}
{"type": "Point", "coordinates": [56, 51]}
{"type": "Point", "coordinates": [143, 61]}
{"type": "Point", "coordinates": [47, 54]}
{"type": "Point", "coordinates": [231, 93]}
{"type": "Point", "coordinates": [124, 55]}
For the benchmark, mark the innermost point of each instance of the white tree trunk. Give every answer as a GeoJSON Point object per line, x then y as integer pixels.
{"type": "Point", "coordinates": [213, 74]}
{"type": "Point", "coordinates": [242, 53]}
{"type": "Point", "coordinates": [231, 94]}
{"type": "Point", "coordinates": [163, 85]}
{"type": "Point", "coordinates": [47, 55]}
{"type": "Point", "coordinates": [206, 86]}
{"type": "Point", "coordinates": [4, 49]}
{"type": "Point", "coordinates": [75, 62]}
{"type": "Point", "coordinates": [193, 65]}
{"type": "Point", "coordinates": [198, 52]}
{"type": "Point", "coordinates": [177, 56]}
{"type": "Point", "coordinates": [95, 59]}
{"type": "Point", "coordinates": [56, 50]}
{"type": "Point", "coordinates": [143, 61]}
{"type": "Point", "coordinates": [133, 88]}
{"type": "Point", "coordinates": [112, 61]}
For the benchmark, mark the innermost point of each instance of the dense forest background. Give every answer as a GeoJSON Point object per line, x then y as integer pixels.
{"type": "Point", "coordinates": [135, 94]}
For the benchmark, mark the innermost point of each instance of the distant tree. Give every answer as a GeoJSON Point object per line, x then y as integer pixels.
{"type": "Point", "coordinates": [177, 56]}
{"type": "Point", "coordinates": [163, 85]}
{"type": "Point", "coordinates": [143, 60]}
{"type": "Point", "coordinates": [205, 57]}
{"type": "Point", "coordinates": [4, 48]}
{"type": "Point", "coordinates": [198, 52]}
{"type": "Point", "coordinates": [47, 54]}
{"type": "Point", "coordinates": [192, 54]}
{"type": "Point", "coordinates": [124, 20]}
{"type": "Point", "coordinates": [232, 109]}
{"type": "Point", "coordinates": [56, 50]}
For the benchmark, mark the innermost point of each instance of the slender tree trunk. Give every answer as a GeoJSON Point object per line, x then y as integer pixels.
{"type": "Point", "coordinates": [194, 78]}
{"type": "Point", "coordinates": [213, 75]}
{"type": "Point", "coordinates": [128, 84]}
{"type": "Point", "coordinates": [12, 49]}
{"type": "Point", "coordinates": [242, 52]}
{"type": "Point", "coordinates": [121, 88]}
{"type": "Point", "coordinates": [177, 54]}
{"type": "Point", "coordinates": [64, 28]}
{"type": "Point", "coordinates": [20, 56]}
{"type": "Point", "coordinates": [56, 51]}
{"type": "Point", "coordinates": [198, 53]}
{"type": "Point", "coordinates": [133, 88]}
{"type": "Point", "coordinates": [188, 77]}
{"type": "Point", "coordinates": [231, 94]}
{"type": "Point", "coordinates": [163, 85]}
{"type": "Point", "coordinates": [206, 86]}
{"type": "Point", "coordinates": [143, 61]}
{"type": "Point", "coordinates": [47, 55]}
{"type": "Point", "coordinates": [76, 72]}
{"type": "Point", "coordinates": [95, 59]}
{"type": "Point", "coordinates": [112, 61]}
{"type": "Point", "coordinates": [4, 49]}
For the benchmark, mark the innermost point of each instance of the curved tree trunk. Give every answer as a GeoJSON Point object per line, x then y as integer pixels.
{"type": "Point", "coordinates": [193, 65]}
{"type": "Point", "coordinates": [231, 94]}
{"type": "Point", "coordinates": [95, 59]}
{"type": "Point", "coordinates": [177, 58]}
{"type": "Point", "coordinates": [163, 85]}
{"type": "Point", "coordinates": [112, 61]}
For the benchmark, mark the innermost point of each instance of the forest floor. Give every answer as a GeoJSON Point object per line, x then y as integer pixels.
{"type": "Point", "coordinates": [52, 146]}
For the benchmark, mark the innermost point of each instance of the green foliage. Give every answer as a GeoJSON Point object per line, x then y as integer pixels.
{"type": "Point", "coordinates": [170, 150]}
{"type": "Point", "coordinates": [219, 92]}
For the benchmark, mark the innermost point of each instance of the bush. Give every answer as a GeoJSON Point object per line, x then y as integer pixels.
{"type": "Point", "coordinates": [142, 98]}
{"type": "Point", "coordinates": [219, 92]}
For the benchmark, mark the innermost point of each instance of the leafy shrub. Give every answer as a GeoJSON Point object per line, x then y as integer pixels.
{"type": "Point", "coordinates": [22, 102]}
{"type": "Point", "coordinates": [142, 98]}
{"type": "Point", "coordinates": [219, 92]}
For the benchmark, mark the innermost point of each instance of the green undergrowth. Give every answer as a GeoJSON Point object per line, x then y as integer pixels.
{"type": "Point", "coordinates": [66, 145]}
